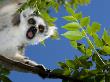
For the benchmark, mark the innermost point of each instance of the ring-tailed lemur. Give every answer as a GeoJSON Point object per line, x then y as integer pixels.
{"type": "Point", "coordinates": [17, 30]}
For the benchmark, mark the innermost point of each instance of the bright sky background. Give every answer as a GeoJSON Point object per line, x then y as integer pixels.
{"type": "Point", "coordinates": [60, 50]}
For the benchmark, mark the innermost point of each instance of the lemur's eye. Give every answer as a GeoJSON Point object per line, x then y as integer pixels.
{"type": "Point", "coordinates": [31, 21]}
{"type": "Point", "coordinates": [41, 28]}
{"type": "Point", "coordinates": [31, 32]}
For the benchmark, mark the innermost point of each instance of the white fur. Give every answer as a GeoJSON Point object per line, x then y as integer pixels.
{"type": "Point", "coordinates": [12, 37]}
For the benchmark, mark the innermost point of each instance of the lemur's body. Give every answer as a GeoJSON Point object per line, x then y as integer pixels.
{"type": "Point", "coordinates": [19, 30]}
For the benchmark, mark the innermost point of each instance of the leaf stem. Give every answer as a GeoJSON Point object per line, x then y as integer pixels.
{"type": "Point", "coordinates": [93, 46]}
{"type": "Point", "coordinates": [86, 36]}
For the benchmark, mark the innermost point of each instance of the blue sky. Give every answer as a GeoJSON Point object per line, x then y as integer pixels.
{"type": "Point", "coordinates": [60, 50]}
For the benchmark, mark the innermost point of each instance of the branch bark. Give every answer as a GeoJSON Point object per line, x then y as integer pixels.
{"type": "Point", "coordinates": [21, 67]}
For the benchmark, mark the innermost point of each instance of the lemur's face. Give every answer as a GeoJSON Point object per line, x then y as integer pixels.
{"type": "Point", "coordinates": [37, 27]}
{"type": "Point", "coordinates": [36, 30]}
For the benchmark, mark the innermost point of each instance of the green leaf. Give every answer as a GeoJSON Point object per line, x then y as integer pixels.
{"type": "Point", "coordinates": [69, 8]}
{"type": "Point", "coordinates": [106, 38]}
{"type": "Point", "coordinates": [87, 1]}
{"type": "Point", "coordinates": [58, 71]}
{"type": "Point", "coordinates": [88, 30]}
{"type": "Point", "coordinates": [48, 18]}
{"type": "Point", "coordinates": [67, 72]}
{"type": "Point", "coordinates": [95, 27]}
{"type": "Point", "coordinates": [74, 44]}
{"type": "Point", "coordinates": [75, 6]}
{"type": "Point", "coordinates": [72, 26]}
{"type": "Point", "coordinates": [85, 21]}
{"type": "Point", "coordinates": [84, 73]}
{"type": "Point", "coordinates": [97, 40]}
{"type": "Point", "coordinates": [56, 7]}
{"type": "Point", "coordinates": [82, 62]}
{"type": "Point", "coordinates": [78, 16]}
{"type": "Point", "coordinates": [102, 52]}
{"type": "Point", "coordinates": [106, 49]}
{"type": "Point", "coordinates": [89, 52]}
{"type": "Point", "coordinates": [70, 18]}
{"type": "Point", "coordinates": [5, 71]}
{"type": "Point", "coordinates": [76, 74]}
{"type": "Point", "coordinates": [5, 79]}
{"type": "Point", "coordinates": [53, 4]}
{"type": "Point", "coordinates": [70, 64]}
{"type": "Point", "coordinates": [73, 35]}
{"type": "Point", "coordinates": [98, 61]}
{"type": "Point", "coordinates": [62, 65]}
{"type": "Point", "coordinates": [42, 43]}
{"type": "Point", "coordinates": [81, 2]}
{"type": "Point", "coordinates": [55, 36]}
{"type": "Point", "coordinates": [81, 47]}
{"type": "Point", "coordinates": [85, 64]}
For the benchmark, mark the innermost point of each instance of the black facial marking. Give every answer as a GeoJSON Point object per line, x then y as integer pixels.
{"type": "Point", "coordinates": [32, 21]}
{"type": "Point", "coordinates": [41, 28]}
{"type": "Point", "coordinates": [21, 48]}
{"type": "Point", "coordinates": [31, 32]}
{"type": "Point", "coordinates": [16, 19]}
{"type": "Point", "coordinates": [20, 3]}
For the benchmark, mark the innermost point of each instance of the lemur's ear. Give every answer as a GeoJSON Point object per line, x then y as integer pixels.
{"type": "Point", "coordinates": [16, 19]}
{"type": "Point", "coordinates": [27, 12]}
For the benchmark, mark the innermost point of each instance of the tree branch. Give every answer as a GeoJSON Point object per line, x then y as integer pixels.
{"type": "Point", "coordinates": [21, 67]}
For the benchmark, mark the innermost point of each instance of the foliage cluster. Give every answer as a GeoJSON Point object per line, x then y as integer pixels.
{"type": "Point", "coordinates": [93, 65]}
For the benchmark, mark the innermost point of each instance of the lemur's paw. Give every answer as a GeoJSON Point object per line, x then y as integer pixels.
{"type": "Point", "coordinates": [42, 71]}
{"type": "Point", "coordinates": [30, 62]}
{"type": "Point", "coordinates": [41, 67]}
